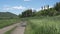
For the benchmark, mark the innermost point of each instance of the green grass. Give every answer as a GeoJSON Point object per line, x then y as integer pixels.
{"type": "Point", "coordinates": [46, 25]}
{"type": "Point", "coordinates": [7, 22]}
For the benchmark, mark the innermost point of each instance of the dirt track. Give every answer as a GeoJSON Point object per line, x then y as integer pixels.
{"type": "Point", "coordinates": [20, 28]}
{"type": "Point", "coordinates": [3, 30]}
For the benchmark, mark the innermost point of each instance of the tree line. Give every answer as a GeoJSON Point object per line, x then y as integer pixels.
{"type": "Point", "coordinates": [44, 12]}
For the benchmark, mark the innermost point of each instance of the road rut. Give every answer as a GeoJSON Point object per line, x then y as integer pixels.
{"type": "Point", "coordinates": [5, 29]}
{"type": "Point", "coordinates": [20, 29]}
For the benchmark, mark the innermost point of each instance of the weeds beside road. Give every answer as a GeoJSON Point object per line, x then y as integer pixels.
{"type": "Point", "coordinates": [7, 22]}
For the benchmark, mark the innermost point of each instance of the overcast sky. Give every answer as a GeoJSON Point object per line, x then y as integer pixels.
{"type": "Point", "coordinates": [17, 6]}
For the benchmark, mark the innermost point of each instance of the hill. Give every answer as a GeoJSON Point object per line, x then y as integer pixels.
{"type": "Point", "coordinates": [7, 15]}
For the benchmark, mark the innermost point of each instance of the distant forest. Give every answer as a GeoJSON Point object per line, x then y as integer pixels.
{"type": "Point", "coordinates": [55, 10]}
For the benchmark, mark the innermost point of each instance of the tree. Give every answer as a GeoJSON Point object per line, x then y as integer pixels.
{"type": "Point", "coordinates": [19, 16]}
{"type": "Point", "coordinates": [42, 8]}
{"type": "Point", "coordinates": [27, 13]}
{"type": "Point", "coordinates": [34, 13]}
{"type": "Point", "coordinates": [47, 6]}
{"type": "Point", "coordinates": [57, 7]}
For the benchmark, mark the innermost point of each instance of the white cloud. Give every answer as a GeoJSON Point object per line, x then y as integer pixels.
{"type": "Point", "coordinates": [13, 8]}
{"type": "Point", "coordinates": [6, 9]}
{"type": "Point", "coordinates": [33, 8]}
{"type": "Point", "coordinates": [38, 9]}
{"type": "Point", "coordinates": [51, 7]}
{"type": "Point", "coordinates": [18, 7]}
{"type": "Point", "coordinates": [27, 0]}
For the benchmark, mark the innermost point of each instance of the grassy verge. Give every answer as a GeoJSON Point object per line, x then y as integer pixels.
{"type": "Point", "coordinates": [7, 22]}
{"type": "Point", "coordinates": [49, 25]}
{"type": "Point", "coordinates": [9, 32]}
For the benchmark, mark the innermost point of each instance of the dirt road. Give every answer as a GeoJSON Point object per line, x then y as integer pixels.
{"type": "Point", "coordinates": [3, 30]}
{"type": "Point", "coordinates": [20, 28]}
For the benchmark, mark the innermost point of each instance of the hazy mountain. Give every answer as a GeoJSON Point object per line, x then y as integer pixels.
{"type": "Point", "coordinates": [7, 15]}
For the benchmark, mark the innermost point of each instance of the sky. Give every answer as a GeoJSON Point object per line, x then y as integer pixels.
{"type": "Point", "coordinates": [18, 6]}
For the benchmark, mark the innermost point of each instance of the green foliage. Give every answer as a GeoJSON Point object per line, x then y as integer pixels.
{"type": "Point", "coordinates": [42, 23]}
{"type": "Point", "coordinates": [57, 6]}
{"type": "Point", "coordinates": [44, 12]}
{"type": "Point", "coordinates": [7, 22]}
{"type": "Point", "coordinates": [34, 13]}
{"type": "Point", "coordinates": [48, 25]}
{"type": "Point", "coordinates": [27, 13]}
{"type": "Point", "coordinates": [19, 15]}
